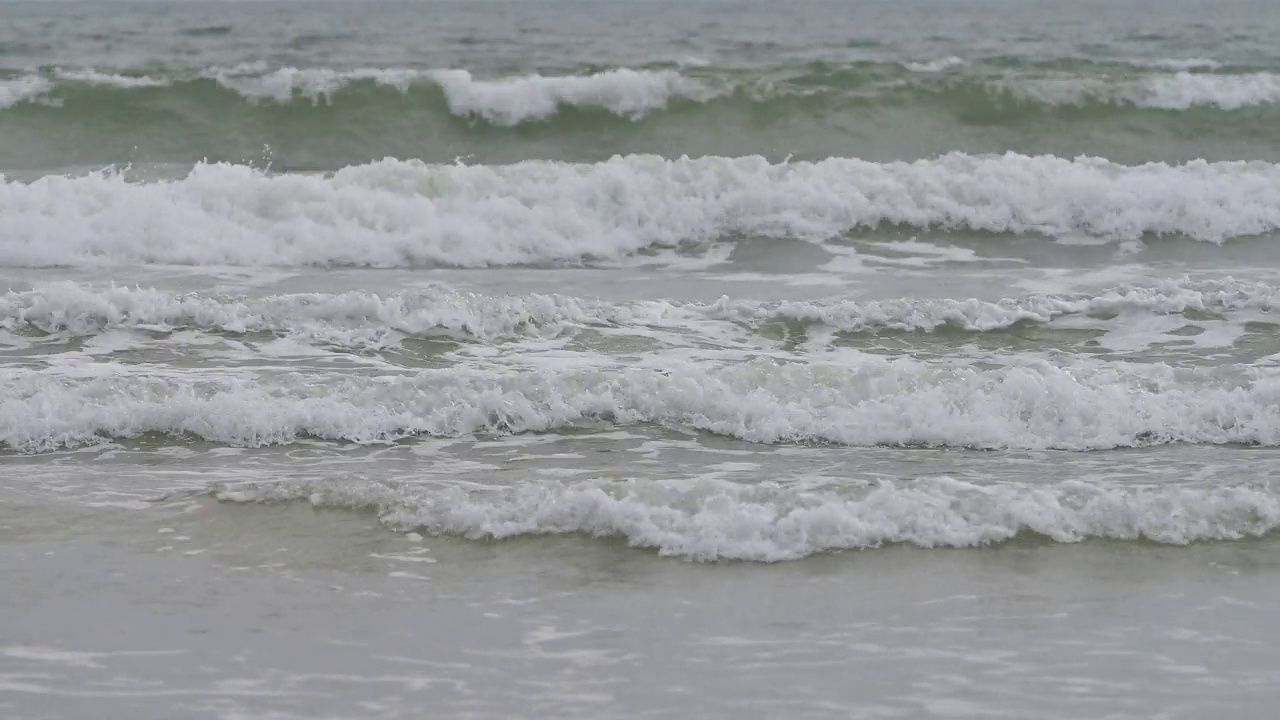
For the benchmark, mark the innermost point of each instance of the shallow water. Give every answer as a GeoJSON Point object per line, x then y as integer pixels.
{"type": "Point", "coordinates": [216, 610]}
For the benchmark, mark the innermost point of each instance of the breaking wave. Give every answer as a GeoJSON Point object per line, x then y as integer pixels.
{"type": "Point", "coordinates": [407, 213]}
{"type": "Point", "coordinates": [711, 520]}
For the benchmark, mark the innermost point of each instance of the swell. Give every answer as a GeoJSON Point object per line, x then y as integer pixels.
{"type": "Point", "coordinates": [631, 94]}
{"type": "Point", "coordinates": [968, 99]}
{"type": "Point", "coordinates": [513, 99]}
{"type": "Point", "coordinates": [225, 113]}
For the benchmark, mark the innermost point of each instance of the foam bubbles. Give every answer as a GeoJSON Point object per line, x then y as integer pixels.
{"type": "Point", "coordinates": [708, 520]}
{"type": "Point", "coordinates": [1186, 90]}
{"type": "Point", "coordinates": [408, 213]}
{"type": "Point", "coordinates": [510, 101]}
{"type": "Point", "coordinates": [1182, 63]}
{"type": "Point", "coordinates": [105, 79]}
{"type": "Point", "coordinates": [1179, 91]}
{"type": "Point", "coordinates": [354, 318]}
{"type": "Point", "coordinates": [255, 82]}
{"type": "Point", "coordinates": [505, 101]}
{"type": "Point", "coordinates": [934, 66]}
{"type": "Point", "coordinates": [350, 318]}
{"type": "Point", "coordinates": [1031, 404]}
{"type": "Point", "coordinates": [22, 89]}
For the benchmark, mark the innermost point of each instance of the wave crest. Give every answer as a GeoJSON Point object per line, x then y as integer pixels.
{"type": "Point", "coordinates": [708, 520]}
{"type": "Point", "coordinates": [1031, 404]}
{"type": "Point", "coordinates": [402, 214]}
{"type": "Point", "coordinates": [357, 318]}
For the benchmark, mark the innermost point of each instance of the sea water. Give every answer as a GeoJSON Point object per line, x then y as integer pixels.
{"type": "Point", "coordinates": [597, 359]}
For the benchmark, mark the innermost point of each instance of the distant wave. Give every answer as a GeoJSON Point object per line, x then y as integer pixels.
{"type": "Point", "coordinates": [1181, 63]}
{"type": "Point", "coordinates": [407, 213]}
{"type": "Point", "coordinates": [502, 101]}
{"type": "Point", "coordinates": [1228, 92]}
{"type": "Point", "coordinates": [1177, 91]}
{"type": "Point", "coordinates": [514, 100]}
{"type": "Point", "coordinates": [93, 77]}
{"type": "Point", "coordinates": [635, 93]}
{"type": "Point", "coordinates": [22, 89]}
{"type": "Point", "coordinates": [935, 65]}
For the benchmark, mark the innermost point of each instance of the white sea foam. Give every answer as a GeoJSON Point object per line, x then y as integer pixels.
{"type": "Point", "coordinates": [1169, 297]}
{"type": "Point", "coordinates": [95, 77]}
{"type": "Point", "coordinates": [407, 213]}
{"type": "Point", "coordinates": [705, 519]}
{"type": "Point", "coordinates": [1030, 403]}
{"type": "Point", "coordinates": [350, 318]}
{"type": "Point", "coordinates": [504, 101]}
{"type": "Point", "coordinates": [512, 100]}
{"type": "Point", "coordinates": [359, 318]}
{"type": "Point", "coordinates": [255, 82]}
{"type": "Point", "coordinates": [934, 66]}
{"type": "Point", "coordinates": [22, 89]}
{"type": "Point", "coordinates": [509, 101]}
{"type": "Point", "coordinates": [1165, 91]}
{"type": "Point", "coordinates": [1182, 63]}
{"type": "Point", "coordinates": [1185, 90]}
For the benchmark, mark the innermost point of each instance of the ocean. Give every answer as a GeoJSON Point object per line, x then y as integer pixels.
{"type": "Point", "coordinates": [600, 359]}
